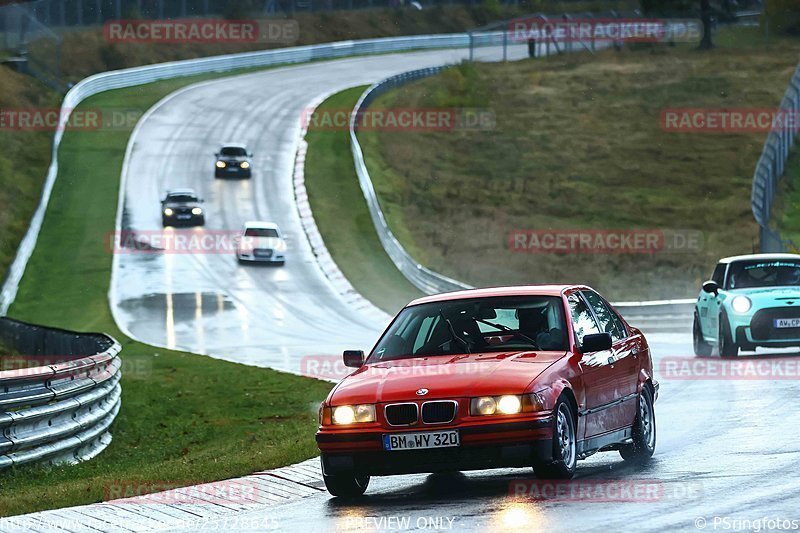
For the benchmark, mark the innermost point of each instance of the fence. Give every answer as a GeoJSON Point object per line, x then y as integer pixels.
{"type": "Point", "coordinates": [771, 166]}
{"type": "Point", "coordinates": [60, 396]}
{"type": "Point", "coordinates": [79, 13]}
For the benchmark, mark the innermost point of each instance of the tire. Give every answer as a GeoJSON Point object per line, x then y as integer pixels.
{"type": "Point", "coordinates": [727, 348]}
{"type": "Point", "coordinates": [565, 445]}
{"type": "Point", "coordinates": [701, 347]}
{"type": "Point", "coordinates": [644, 430]}
{"type": "Point", "coordinates": [346, 485]}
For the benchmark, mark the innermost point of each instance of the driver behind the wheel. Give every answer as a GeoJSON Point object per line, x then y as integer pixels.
{"type": "Point", "coordinates": [534, 323]}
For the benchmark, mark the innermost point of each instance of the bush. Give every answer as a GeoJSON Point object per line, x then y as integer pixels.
{"type": "Point", "coordinates": [461, 86]}
{"type": "Point", "coordinates": [239, 9]}
{"type": "Point", "coordinates": [782, 16]}
{"type": "Point", "coordinates": [113, 57]}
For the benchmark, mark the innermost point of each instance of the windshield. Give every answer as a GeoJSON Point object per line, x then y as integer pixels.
{"type": "Point", "coordinates": [183, 198]}
{"type": "Point", "coordinates": [233, 151]}
{"type": "Point", "coordinates": [750, 274]}
{"type": "Point", "coordinates": [256, 232]}
{"type": "Point", "coordinates": [474, 325]}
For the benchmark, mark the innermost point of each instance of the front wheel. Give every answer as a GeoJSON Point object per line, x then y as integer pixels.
{"type": "Point", "coordinates": [644, 431]}
{"type": "Point", "coordinates": [701, 347]}
{"type": "Point", "coordinates": [565, 453]}
{"type": "Point", "coordinates": [350, 485]}
{"type": "Point", "coordinates": [727, 348]}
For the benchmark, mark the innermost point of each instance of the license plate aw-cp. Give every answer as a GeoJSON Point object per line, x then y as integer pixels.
{"type": "Point", "coordinates": [787, 322]}
{"type": "Point", "coordinates": [421, 440]}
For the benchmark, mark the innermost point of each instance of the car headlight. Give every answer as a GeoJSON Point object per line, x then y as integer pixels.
{"type": "Point", "coordinates": [245, 164]}
{"type": "Point", "coordinates": [485, 405]}
{"type": "Point", "coordinates": [220, 164]}
{"type": "Point", "coordinates": [741, 304]}
{"type": "Point", "coordinates": [508, 404]}
{"type": "Point", "coordinates": [353, 414]}
{"type": "Point", "coordinates": [281, 246]}
{"type": "Point", "coordinates": [197, 211]}
{"type": "Point", "coordinates": [168, 212]}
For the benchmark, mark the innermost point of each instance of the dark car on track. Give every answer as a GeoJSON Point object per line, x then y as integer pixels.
{"type": "Point", "coordinates": [233, 161]}
{"type": "Point", "coordinates": [536, 376]}
{"type": "Point", "coordinates": [182, 207]}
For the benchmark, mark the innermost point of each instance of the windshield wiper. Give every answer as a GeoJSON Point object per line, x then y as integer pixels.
{"type": "Point", "coordinates": [452, 331]}
{"type": "Point", "coordinates": [507, 329]}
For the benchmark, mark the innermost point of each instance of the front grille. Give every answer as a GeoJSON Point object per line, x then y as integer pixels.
{"type": "Point", "coordinates": [401, 414]}
{"type": "Point", "coordinates": [762, 326]}
{"type": "Point", "coordinates": [438, 412]}
{"type": "Point", "coordinates": [264, 253]}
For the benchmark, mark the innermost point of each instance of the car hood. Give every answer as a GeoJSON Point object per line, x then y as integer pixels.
{"type": "Point", "coordinates": [444, 377]}
{"type": "Point", "coordinates": [768, 296]}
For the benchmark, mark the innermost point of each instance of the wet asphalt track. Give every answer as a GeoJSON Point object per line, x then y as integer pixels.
{"type": "Point", "coordinates": [726, 448]}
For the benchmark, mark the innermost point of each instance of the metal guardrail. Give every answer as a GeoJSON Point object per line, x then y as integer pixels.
{"type": "Point", "coordinates": [60, 398]}
{"type": "Point", "coordinates": [772, 163]}
{"type": "Point", "coordinates": [140, 75]}
{"type": "Point", "coordinates": [659, 315]}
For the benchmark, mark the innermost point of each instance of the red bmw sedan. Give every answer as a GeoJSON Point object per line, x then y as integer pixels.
{"type": "Point", "coordinates": [535, 376]}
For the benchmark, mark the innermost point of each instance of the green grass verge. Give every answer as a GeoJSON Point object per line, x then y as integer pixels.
{"type": "Point", "coordinates": [579, 145]}
{"type": "Point", "coordinates": [786, 212]}
{"type": "Point", "coordinates": [185, 418]}
{"type": "Point", "coordinates": [24, 159]}
{"type": "Point", "coordinates": [342, 216]}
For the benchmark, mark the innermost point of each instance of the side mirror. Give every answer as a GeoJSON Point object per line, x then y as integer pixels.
{"type": "Point", "coordinates": [711, 287]}
{"type": "Point", "coordinates": [596, 342]}
{"type": "Point", "coordinates": [353, 358]}
{"type": "Point", "coordinates": [216, 155]}
{"type": "Point", "coordinates": [250, 154]}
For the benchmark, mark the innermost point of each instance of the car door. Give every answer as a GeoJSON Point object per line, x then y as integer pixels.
{"type": "Point", "coordinates": [600, 407]}
{"type": "Point", "coordinates": [708, 305]}
{"type": "Point", "coordinates": [626, 362]}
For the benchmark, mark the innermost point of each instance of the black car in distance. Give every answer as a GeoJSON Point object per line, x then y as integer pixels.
{"type": "Point", "coordinates": [182, 207]}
